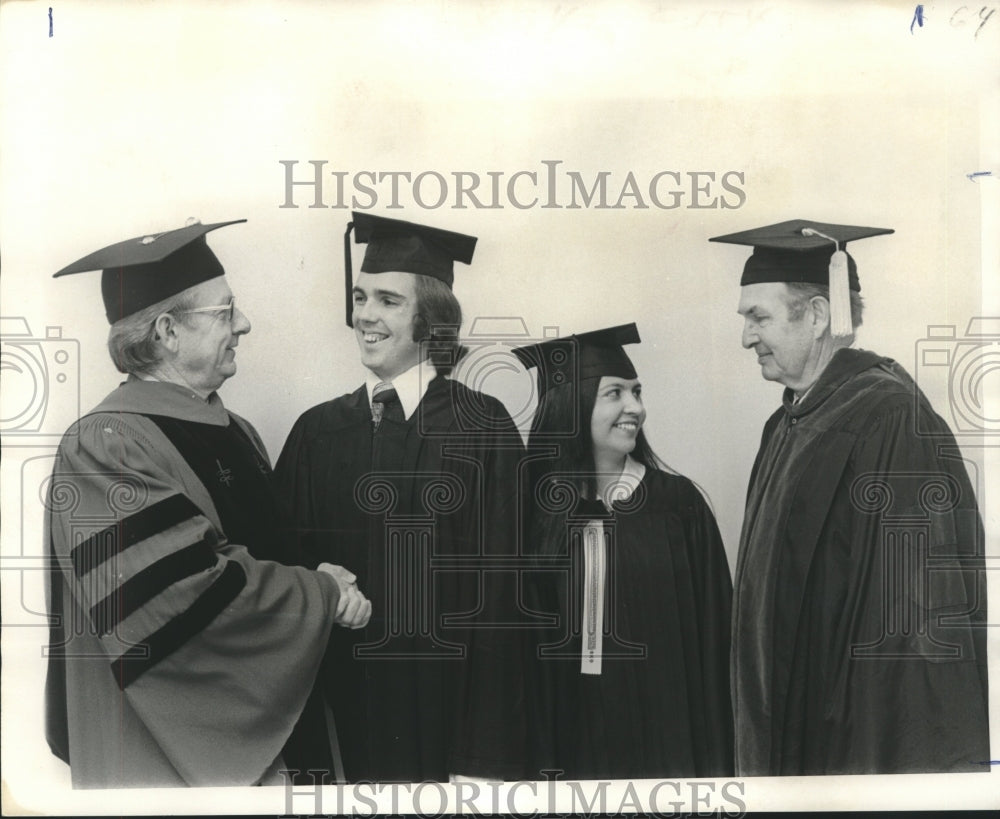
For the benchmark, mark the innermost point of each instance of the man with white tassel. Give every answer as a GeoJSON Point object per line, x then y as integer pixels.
{"type": "Point", "coordinates": [859, 607]}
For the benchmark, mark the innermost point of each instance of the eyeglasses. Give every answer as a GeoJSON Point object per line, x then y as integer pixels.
{"type": "Point", "coordinates": [228, 310]}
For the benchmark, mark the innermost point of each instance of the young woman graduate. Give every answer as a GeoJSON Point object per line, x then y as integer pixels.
{"type": "Point", "coordinates": [631, 680]}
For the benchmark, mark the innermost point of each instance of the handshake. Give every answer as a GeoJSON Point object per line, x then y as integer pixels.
{"type": "Point", "coordinates": [353, 608]}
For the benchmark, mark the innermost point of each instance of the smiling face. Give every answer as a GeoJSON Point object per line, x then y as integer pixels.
{"type": "Point", "coordinates": [617, 417]}
{"type": "Point", "coordinates": [206, 341]}
{"type": "Point", "coordinates": [786, 348]}
{"type": "Point", "coordinates": [384, 308]}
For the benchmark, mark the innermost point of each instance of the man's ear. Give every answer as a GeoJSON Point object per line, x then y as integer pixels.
{"type": "Point", "coordinates": [820, 311]}
{"type": "Point", "coordinates": [166, 326]}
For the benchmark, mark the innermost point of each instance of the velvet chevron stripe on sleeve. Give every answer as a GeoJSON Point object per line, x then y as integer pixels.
{"type": "Point", "coordinates": [167, 639]}
{"type": "Point", "coordinates": [146, 584]}
{"type": "Point", "coordinates": [118, 537]}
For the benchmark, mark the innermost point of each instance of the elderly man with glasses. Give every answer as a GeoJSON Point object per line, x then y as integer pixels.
{"type": "Point", "coordinates": [184, 641]}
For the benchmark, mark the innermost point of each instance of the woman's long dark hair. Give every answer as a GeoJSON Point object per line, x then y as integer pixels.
{"type": "Point", "coordinates": [562, 424]}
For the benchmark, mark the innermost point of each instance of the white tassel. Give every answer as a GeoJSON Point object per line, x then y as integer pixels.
{"type": "Point", "coordinates": [841, 325]}
{"type": "Point", "coordinates": [840, 297]}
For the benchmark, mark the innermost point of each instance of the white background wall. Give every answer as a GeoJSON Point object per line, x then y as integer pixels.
{"type": "Point", "coordinates": [132, 117]}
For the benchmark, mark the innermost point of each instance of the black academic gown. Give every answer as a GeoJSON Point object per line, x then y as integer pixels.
{"type": "Point", "coordinates": [660, 707]}
{"type": "Point", "coordinates": [417, 510]}
{"type": "Point", "coordinates": [859, 600]}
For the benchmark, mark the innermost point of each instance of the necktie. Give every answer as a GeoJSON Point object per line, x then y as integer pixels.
{"type": "Point", "coordinates": [385, 402]}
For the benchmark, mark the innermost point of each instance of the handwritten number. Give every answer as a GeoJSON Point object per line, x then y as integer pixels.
{"type": "Point", "coordinates": [984, 18]}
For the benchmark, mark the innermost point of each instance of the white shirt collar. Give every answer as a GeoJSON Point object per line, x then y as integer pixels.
{"type": "Point", "coordinates": [627, 483]}
{"type": "Point", "coordinates": [410, 386]}
{"type": "Point", "coordinates": [800, 398]}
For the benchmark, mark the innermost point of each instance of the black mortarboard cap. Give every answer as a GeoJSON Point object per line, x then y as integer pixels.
{"type": "Point", "coordinates": [585, 355]}
{"type": "Point", "coordinates": [803, 251]}
{"type": "Point", "coordinates": [783, 253]}
{"type": "Point", "coordinates": [405, 247]}
{"type": "Point", "coordinates": [142, 271]}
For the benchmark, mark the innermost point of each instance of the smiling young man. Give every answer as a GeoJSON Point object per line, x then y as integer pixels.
{"type": "Point", "coordinates": [410, 481]}
{"type": "Point", "coordinates": [859, 598]}
{"type": "Point", "coordinates": [384, 308]}
{"type": "Point", "coordinates": [181, 651]}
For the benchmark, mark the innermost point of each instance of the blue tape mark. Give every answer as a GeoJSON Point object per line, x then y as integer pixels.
{"type": "Point", "coordinates": [50, 21]}
{"type": "Point", "coordinates": [918, 18]}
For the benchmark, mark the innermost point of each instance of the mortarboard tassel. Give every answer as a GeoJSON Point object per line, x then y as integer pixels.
{"type": "Point", "coordinates": [348, 276]}
{"type": "Point", "coordinates": [840, 293]}
{"type": "Point", "coordinates": [840, 297]}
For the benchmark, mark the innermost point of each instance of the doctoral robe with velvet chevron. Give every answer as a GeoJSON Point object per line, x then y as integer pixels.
{"type": "Point", "coordinates": [176, 656]}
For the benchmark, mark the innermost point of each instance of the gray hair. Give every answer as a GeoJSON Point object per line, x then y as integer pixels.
{"type": "Point", "coordinates": [133, 342]}
{"type": "Point", "coordinates": [800, 293]}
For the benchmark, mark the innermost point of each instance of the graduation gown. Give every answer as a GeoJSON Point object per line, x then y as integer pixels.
{"type": "Point", "coordinates": [859, 600]}
{"type": "Point", "coordinates": [176, 657]}
{"type": "Point", "coordinates": [660, 707]}
{"type": "Point", "coordinates": [424, 512]}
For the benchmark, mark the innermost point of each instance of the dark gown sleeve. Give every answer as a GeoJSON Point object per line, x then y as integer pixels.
{"type": "Point", "coordinates": [490, 737]}
{"type": "Point", "coordinates": [540, 597]}
{"type": "Point", "coordinates": [293, 482]}
{"type": "Point", "coordinates": [308, 749]}
{"type": "Point", "coordinates": [713, 595]}
{"type": "Point", "coordinates": [911, 630]}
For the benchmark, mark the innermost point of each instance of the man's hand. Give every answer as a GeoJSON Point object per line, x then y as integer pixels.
{"type": "Point", "coordinates": [353, 608]}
